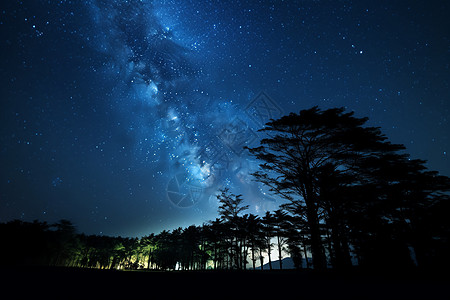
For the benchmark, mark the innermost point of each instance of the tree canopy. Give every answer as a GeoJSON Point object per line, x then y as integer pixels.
{"type": "Point", "coordinates": [333, 170]}
{"type": "Point", "coordinates": [352, 198]}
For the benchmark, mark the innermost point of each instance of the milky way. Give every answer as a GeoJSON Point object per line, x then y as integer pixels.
{"type": "Point", "coordinates": [193, 141]}
{"type": "Point", "coordinates": [126, 117]}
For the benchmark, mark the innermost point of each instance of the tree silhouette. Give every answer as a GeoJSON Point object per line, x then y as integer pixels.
{"type": "Point", "coordinates": [268, 222]}
{"type": "Point", "coordinates": [279, 224]}
{"type": "Point", "coordinates": [255, 239]}
{"type": "Point", "coordinates": [335, 206]}
{"type": "Point", "coordinates": [294, 239]}
{"type": "Point", "coordinates": [230, 207]}
{"type": "Point", "coordinates": [398, 194]}
{"type": "Point", "coordinates": [350, 193]}
{"type": "Point", "coordinates": [66, 242]}
{"type": "Point", "coordinates": [215, 233]}
{"type": "Point", "coordinates": [309, 158]}
{"type": "Point", "coordinates": [148, 245]}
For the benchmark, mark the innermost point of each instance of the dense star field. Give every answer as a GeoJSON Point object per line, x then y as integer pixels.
{"type": "Point", "coordinates": [126, 117]}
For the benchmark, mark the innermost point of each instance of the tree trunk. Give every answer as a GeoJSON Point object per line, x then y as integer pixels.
{"type": "Point", "coordinates": [279, 252]}
{"type": "Point", "coordinates": [253, 255]}
{"type": "Point", "coordinates": [306, 256]}
{"type": "Point", "coordinates": [215, 257]}
{"type": "Point", "coordinates": [341, 251]}
{"type": "Point", "coordinates": [239, 254]}
{"type": "Point", "coordinates": [331, 252]}
{"type": "Point", "coordinates": [268, 251]}
{"type": "Point", "coordinates": [318, 257]}
{"type": "Point", "coordinates": [340, 244]}
{"type": "Point", "coordinates": [244, 255]}
{"type": "Point", "coordinates": [261, 259]}
{"type": "Point", "coordinates": [149, 258]}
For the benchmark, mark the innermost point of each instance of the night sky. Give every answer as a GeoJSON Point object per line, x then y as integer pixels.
{"type": "Point", "coordinates": [126, 117]}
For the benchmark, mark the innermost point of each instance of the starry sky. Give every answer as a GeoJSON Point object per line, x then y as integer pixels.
{"type": "Point", "coordinates": [126, 117]}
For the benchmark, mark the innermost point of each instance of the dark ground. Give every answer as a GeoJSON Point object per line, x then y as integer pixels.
{"type": "Point", "coordinates": [72, 283]}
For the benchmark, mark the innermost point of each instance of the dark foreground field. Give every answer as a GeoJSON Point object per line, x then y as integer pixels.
{"type": "Point", "coordinates": [70, 283]}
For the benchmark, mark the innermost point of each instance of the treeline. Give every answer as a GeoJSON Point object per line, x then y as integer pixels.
{"type": "Point", "coordinates": [351, 198]}
{"type": "Point", "coordinates": [226, 243]}
{"type": "Point", "coordinates": [217, 245]}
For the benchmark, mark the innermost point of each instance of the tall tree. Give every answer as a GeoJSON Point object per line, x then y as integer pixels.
{"type": "Point", "coordinates": [67, 241]}
{"type": "Point", "coordinates": [334, 201]}
{"type": "Point", "coordinates": [268, 222]}
{"type": "Point", "coordinates": [148, 245]}
{"type": "Point", "coordinates": [299, 145]}
{"type": "Point", "coordinates": [293, 241]}
{"type": "Point", "coordinates": [231, 206]}
{"type": "Point", "coordinates": [254, 230]}
{"type": "Point", "coordinates": [280, 228]}
{"type": "Point", "coordinates": [392, 201]}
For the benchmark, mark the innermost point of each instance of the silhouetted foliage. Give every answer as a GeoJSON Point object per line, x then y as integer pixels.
{"type": "Point", "coordinates": [356, 192]}
{"type": "Point", "coordinates": [352, 198]}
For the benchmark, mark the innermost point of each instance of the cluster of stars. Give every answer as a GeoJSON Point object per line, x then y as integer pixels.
{"type": "Point", "coordinates": [106, 101]}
